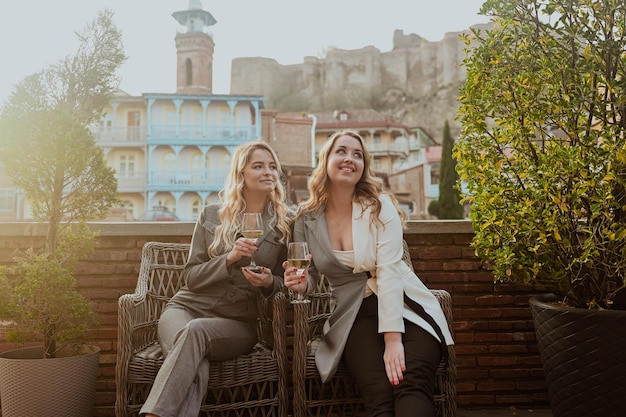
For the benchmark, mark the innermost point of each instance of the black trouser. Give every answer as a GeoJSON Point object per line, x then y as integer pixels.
{"type": "Point", "coordinates": [363, 355]}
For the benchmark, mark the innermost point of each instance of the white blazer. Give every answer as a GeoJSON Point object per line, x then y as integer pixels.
{"type": "Point", "coordinates": [378, 250]}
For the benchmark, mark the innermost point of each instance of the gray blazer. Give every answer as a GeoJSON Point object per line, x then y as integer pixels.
{"type": "Point", "coordinates": [213, 289]}
{"type": "Point", "coordinates": [377, 250]}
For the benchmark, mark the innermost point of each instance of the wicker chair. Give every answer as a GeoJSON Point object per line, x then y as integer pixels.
{"type": "Point", "coordinates": [246, 386]}
{"type": "Point", "coordinates": [339, 397]}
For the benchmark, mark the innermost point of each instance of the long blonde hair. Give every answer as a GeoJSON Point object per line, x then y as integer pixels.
{"type": "Point", "coordinates": [367, 189]}
{"type": "Point", "coordinates": [233, 203]}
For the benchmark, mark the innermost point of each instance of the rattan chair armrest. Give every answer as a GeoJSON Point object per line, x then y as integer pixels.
{"type": "Point", "coordinates": [301, 312]}
{"type": "Point", "coordinates": [449, 406]}
{"type": "Point", "coordinates": [134, 314]}
{"type": "Point", "coordinates": [131, 311]}
{"type": "Point", "coordinates": [279, 329]}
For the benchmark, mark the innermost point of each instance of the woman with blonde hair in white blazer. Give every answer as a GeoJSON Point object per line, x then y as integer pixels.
{"type": "Point", "coordinates": [387, 326]}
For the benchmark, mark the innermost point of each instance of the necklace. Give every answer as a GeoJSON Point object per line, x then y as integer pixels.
{"type": "Point", "coordinates": [336, 222]}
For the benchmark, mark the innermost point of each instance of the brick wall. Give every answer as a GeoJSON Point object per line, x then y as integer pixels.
{"type": "Point", "coordinates": [498, 361]}
{"type": "Point", "coordinates": [497, 357]}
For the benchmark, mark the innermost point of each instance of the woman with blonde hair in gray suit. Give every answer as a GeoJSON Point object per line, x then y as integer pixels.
{"type": "Point", "coordinates": [386, 325]}
{"type": "Point", "coordinates": [213, 316]}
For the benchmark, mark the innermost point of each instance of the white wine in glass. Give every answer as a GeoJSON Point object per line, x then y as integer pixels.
{"type": "Point", "coordinates": [297, 255]}
{"type": "Point", "coordinates": [252, 228]}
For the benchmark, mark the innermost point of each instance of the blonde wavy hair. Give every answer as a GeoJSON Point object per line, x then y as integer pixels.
{"type": "Point", "coordinates": [233, 203]}
{"type": "Point", "coordinates": [367, 189]}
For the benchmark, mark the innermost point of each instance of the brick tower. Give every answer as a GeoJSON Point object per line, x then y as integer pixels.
{"type": "Point", "coordinates": [194, 50]}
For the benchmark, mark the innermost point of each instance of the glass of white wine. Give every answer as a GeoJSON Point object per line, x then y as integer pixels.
{"type": "Point", "coordinates": [252, 228]}
{"type": "Point", "coordinates": [297, 255]}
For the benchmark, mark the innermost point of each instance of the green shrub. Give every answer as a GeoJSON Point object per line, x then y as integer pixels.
{"type": "Point", "coordinates": [543, 145]}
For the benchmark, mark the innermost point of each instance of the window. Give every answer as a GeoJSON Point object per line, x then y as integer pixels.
{"type": "Point", "coordinates": [195, 208]}
{"type": "Point", "coordinates": [127, 166]}
{"type": "Point", "coordinates": [376, 139]}
{"type": "Point", "coordinates": [134, 118]}
{"type": "Point", "coordinates": [170, 204]}
{"type": "Point", "coordinates": [7, 199]}
{"type": "Point", "coordinates": [169, 162]}
{"type": "Point", "coordinates": [196, 163]}
{"type": "Point", "coordinates": [188, 72]}
{"type": "Point", "coordinates": [434, 174]}
{"type": "Point", "coordinates": [133, 122]}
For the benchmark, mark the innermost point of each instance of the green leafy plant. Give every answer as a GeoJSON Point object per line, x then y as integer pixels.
{"type": "Point", "coordinates": [543, 145]}
{"type": "Point", "coordinates": [40, 300]}
{"type": "Point", "coordinates": [48, 152]}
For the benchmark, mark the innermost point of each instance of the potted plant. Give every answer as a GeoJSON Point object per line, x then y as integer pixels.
{"type": "Point", "coordinates": [48, 152]}
{"type": "Point", "coordinates": [40, 301]}
{"type": "Point", "coordinates": [542, 160]}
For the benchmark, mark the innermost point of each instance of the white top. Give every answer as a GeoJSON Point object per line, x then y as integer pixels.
{"type": "Point", "coordinates": [346, 257]}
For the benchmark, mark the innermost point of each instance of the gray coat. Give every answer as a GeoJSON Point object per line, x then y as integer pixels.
{"type": "Point", "coordinates": [213, 289]}
{"type": "Point", "coordinates": [378, 250]}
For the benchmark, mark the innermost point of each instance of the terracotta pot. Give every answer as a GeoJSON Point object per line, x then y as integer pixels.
{"type": "Point", "coordinates": [584, 358]}
{"type": "Point", "coordinates": [59, 387]}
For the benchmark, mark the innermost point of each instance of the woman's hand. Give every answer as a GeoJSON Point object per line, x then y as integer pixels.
{"type": "Point", "coordinates": [293, 281]}
{"type": "Point", "coordinates": [242, 248]}
{"type": "Point", "coordinates": [394, 357]}
{"type": "Point", "coordinates": [261, 279]}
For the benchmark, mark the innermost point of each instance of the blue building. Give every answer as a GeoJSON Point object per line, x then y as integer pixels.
{"type": "Point", "coordinates": [174, 150]}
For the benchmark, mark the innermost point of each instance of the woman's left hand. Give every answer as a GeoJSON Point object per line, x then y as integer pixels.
{"type": "Point", "coordinates": [394, 357]}
{"type": "Point", "coordinates": [262, 279]}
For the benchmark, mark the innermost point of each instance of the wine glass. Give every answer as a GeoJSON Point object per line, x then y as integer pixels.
{"type": "Point", "coordinates": [252, 229]}
{"type": "Point", "coordinates": [297, 255]}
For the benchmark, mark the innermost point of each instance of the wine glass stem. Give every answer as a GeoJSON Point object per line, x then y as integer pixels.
{"type": "Point", "coordinates": [300, 295]}
{"type": "Point", "coordinates": [252, 263]}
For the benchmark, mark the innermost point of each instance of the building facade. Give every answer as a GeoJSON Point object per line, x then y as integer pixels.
{"type": "Point", "coordinates": [173, 150]}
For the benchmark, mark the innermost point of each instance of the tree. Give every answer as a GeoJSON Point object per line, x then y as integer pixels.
{"type": "Point", "coordinates": [448, 206]}
{"type": "Point", "coordinates": [48, 151]}
{"type": "Point", "coordinates": [543, 145]}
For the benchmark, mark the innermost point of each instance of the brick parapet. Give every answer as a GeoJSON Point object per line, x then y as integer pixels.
{"type": "Point", "coordinates": [497, 356]}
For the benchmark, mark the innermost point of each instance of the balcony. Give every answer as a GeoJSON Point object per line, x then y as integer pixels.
{"type": "Point", "coordinates": [131, 182]}
{"type": "Point", "coordinates": [119, 136]}
{"type": "Point", "coordinates": [198, 134]}
{"type": "Point", "coordinates": [173, 135]}
{"type": "Point", "coordinates": [211, 180]}
{"type": "Point", "coordinates": [391, 149]}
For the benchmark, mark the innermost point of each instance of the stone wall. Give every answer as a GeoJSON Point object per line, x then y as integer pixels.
{"type": "Point", "coordinates": [416, 83]}
{"type": "Point", "coordinates": [498, 361]}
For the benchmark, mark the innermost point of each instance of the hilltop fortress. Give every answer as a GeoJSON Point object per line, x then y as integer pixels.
{"type": "Point", "coordinates": [416, 83]}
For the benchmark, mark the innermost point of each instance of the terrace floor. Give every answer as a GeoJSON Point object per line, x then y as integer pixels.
{"type": "Point", "coordinates": [500, 412]}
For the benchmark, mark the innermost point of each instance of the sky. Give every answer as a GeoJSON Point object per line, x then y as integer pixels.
{"type": "Point", "coordinates": [37, 33]}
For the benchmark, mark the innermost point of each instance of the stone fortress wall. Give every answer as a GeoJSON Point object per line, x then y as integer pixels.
{"type": "Point", "coordinates": [416, 83]}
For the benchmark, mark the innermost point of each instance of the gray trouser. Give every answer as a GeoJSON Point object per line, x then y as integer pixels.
{"type": "Point", "coordinates": [188, 343]}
